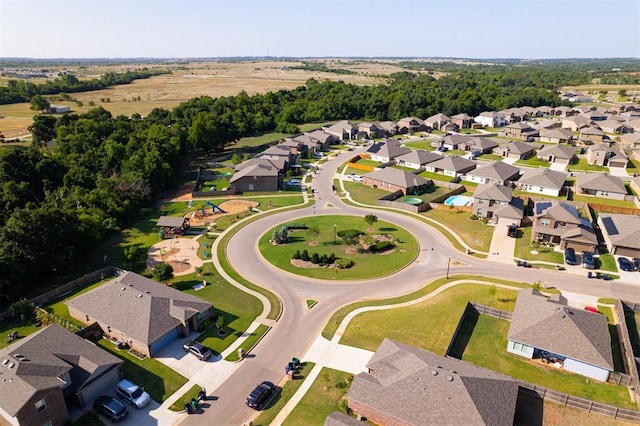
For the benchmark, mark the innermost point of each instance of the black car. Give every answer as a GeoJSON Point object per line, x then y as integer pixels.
{"type": "Point", "coordinates": [111, 408]}
{"type": "Point", "coordinates": [198, 349]}
{"type": "Point", "coordinates": [636, 263]}
{"type": "Point", "coordinates": [570, 256]}
{"type": "Point", "coordinates": [625, 264]}
{"type": "Point", "coordinates": [588, 261]}
{"type": "Point", "coordinates": [512, 231]}
{"type": "Point", "coordinates": [259, 396]}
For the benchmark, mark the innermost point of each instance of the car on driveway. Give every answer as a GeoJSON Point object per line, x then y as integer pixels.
{"type": "Point", "coordinates": [570, 256]}
{"type": "Point", "coordinates": [198, 349]}
{"type": "Point", "coordinates": [110, 408]}
{"type": "Point", "coordinates": [294, 182]}
{"type": "Point", "coordinates": [132, 393]}
{"type": "Point", "coordinates": [512, 231]}
{"type": "Point", "coordinates": [258, 398]}
{"type": "Point", "coordinates": [588, 261]}
{"type": "Point", "coordinates": [351, 175]}
{"type": "Point", "coordinates": [636, 263]}
{"type": "Point", "coordinates": [625, 264]}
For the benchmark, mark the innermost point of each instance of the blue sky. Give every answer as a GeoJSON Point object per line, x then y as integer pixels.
{"type": "Point", "coordinates": [422, 28]}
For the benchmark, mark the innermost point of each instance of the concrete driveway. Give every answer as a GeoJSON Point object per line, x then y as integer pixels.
{"type": "Point", "coordinates": [619, 172]}
{"type": "Point", "coordinates": [502, 245]}
{"type": "Point", "coordinates": [558, 167]}
{"type": "Point", "coordinates": [151, 415]}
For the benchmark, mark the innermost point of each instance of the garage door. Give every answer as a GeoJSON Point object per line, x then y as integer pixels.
{"type": "Point", "coordinates": [624, 251]}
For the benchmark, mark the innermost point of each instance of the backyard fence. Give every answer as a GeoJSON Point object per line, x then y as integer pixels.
{"type": "Point", "coordinates": [603, 208]}
{"type": "Point", "coordinates": [627, 348]}
{"type": "Point", "coordinates": [489, 311]}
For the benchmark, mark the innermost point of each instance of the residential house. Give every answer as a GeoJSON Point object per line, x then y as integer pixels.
{"type": "Point", "coordinates": [463, 121]}
{"type": "Point", "coordinates": [497, 172]}
{"type": "Point", "coordinates": [449, 127]}
{"type": "Point", "coordinates": [591, 114]}
{"type": "Point", "coordinates": [564, 111]}
{"type": "Point", "coordinates": [560, 223]}
{"type": "Point", "coordinates": [343, 130]}
{"type": "Point", "coordinates": [618, 158]}
{"type": "Point", "coordinates": [45, 375]}
{"type": "Point", "coordinates": [621, 233]}
{"type": "Point", "coordinates": [546, 125]}
{"type": "Point", "coordinates": [58, 109]}
{"type": "Point", "coordinates": [325, 139]}
{"type": "Point", "coordinates": [417, 159]}
{"type": "Point", "coordinates": [601, 185]}
{"type": "Point", "coordinates": [542, 181]}
{"type": "Point", "coordinates": [411, 125]}
{"type": "Point", "coordinates": [279, 163]}
{"type": "Point", "coordinates": [575, 123]}
{"type": "Point", "coordinates": [261, 177]}
{"type": "Point", "coordinates": [520, 130]}
{"type": "Point", "coordinates": [598, 155]}
{"type": "Point", "coordinates": [560, 154]}
{"type": "Point", "coordinates": [370, 130]}
{"type": "Point", "coordinates": [496, 202]}
{"type": "Point", "coordinates": [480, 145]}
{"type": "Point", "coordinates": [490, 119]}
{"type": "Point", "coordinates": [630, 140]}
{"type": "Point", "coordinates": [437, 121]}
{"type": "Point", "coordinates": [453, 142]}
{"type": "Point", "coordinates": [516, 150]}
{"type": "Point", "coordinates": [387, 150]}
{"type": "Point", "coordinates": [393, 180]}
{"type": "Point", "coordinates": [280, 152]}
{"type": "Point", "coordinates": [389, 128]}
{"type": "Point", "coordinates": [162, 313]}
{"type": "Point", "coordinates": [611, 126]}
{"type": "Point", "coordinates": [591, 135]}
{"type": "Point", "coordinates": [409, 386]}
{"type": "Point", "coordinates": [635, 184]}
{"type": "Point", "coordinates": [557, 136]}
{"type": "Point", "coordinates": [543, 111]}
{"type": "Point", "coordinates": [633, 125]}
{"type": "Point", "coordinates": [297, 148]}
{"type": "Point", "coordinates": [546, 327]}
{"type": "Point", "coordinates": [453, 165]}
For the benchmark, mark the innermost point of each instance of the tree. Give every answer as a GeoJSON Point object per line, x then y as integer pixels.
{"type": "Point", "coordinates": [42, 129]}
{"type": "Point", "coordinates": [236, 159]}
{"type": "Point", "coordinates": [133, 255]}
{"type": "Point", "coordinates": [313, 231]}
{"type": "Point", "coordinates": [162, 272]}
{"type": "Point", "coordinates": [371, 219]}
{"type": "Point", "coordinates": [38, 103]}
{"type": "Point", "coordinates": [220, 322]}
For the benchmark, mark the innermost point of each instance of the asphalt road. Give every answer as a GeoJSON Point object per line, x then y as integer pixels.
{"type": "Point", "coordinates": [299, 326]}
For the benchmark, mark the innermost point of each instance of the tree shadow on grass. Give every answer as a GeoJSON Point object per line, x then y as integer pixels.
{"type": "Point", "coordinates": [388, 229]}
{"type": "Point", "coordinates": [461, 340]}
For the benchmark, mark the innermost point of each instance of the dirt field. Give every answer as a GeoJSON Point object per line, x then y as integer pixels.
{"type": "Point", "coordinates": [230, 207]}
{"type": "Point", "coordinates": [180, 253]}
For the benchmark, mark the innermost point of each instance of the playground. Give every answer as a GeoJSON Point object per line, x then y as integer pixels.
{"type": "Point", "coordinates": [210, 211]}
{"type": "Point", "coordinates": [180, 253]}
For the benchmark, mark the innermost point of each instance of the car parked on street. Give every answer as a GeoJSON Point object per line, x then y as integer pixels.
{"type": "Point", "coordinates": [110, 408]}
{"type": "Point", "coordinates": [625, 264]}
{"type": "Point", "coordinates": [260, 395]}
{"type": "Point", "coordinates": [588, 261]}
{"type": "Point", "coordinates": [132, 393]}
{"type": "Point", "coordinates": [570, 256]}
{"type": "Point", "coordinates": [198, 349]}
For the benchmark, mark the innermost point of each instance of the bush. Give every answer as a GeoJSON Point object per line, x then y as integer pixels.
{"type": "Point", "coordinates": [473, 217]}
{"type": "Point", "coordinates": [344, 263]}
{"type": "Point", "coordinates": [296, 255]}
{"type": "Point", "coordinates": [295, 226]}
{"type": "Point", "coordinates": [324, 259]}
{"type": "Point", "coordinates": [315, 259]}
{"type": "Point", "coordinates": [381, 246]}
{"type": "Point", "coordinates": [331, 258]}
{"type": "Point", "coordinates": [342, 234]}
{"type": "Point", "coordinates": [304, 255]}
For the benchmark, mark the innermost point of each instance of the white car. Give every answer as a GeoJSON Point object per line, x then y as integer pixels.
{"type": "Point", "coordinates": [352, 176]}
{"type": "Point", "coordinates": [357, 178]}
{"type": "Point", "coordinates": [132, 393]}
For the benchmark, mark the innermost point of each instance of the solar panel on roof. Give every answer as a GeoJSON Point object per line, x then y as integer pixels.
{"type": "Point", "coordinates": [610, 226]}
{"type": "Point", "coordinates": [540, 207]}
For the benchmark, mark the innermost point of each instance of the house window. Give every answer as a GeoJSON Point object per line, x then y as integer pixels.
{"type": "Point", "coordinates": [545, 222]}
{"type": "Point", "coordinates": [562, 224]}
{"type": "Point", "coordinates": [480, 201]}
{"type": "Point", "coordinates": [519, 347]}
{"type": "Point", "coordinates": [41, 405]}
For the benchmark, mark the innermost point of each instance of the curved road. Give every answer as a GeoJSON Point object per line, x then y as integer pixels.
{"type": "Point", "coordinates": [298, 327]}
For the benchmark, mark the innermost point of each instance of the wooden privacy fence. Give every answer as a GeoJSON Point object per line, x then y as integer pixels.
{"type": "Point", "coordinates": [627, 348]}
{"type": "Point", "coordinates": [488, 310]}
{"type": "Point", "coordinates": [614, 209]}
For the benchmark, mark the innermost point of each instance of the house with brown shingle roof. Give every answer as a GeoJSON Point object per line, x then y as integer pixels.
{"type": "Point", "coordinates": [162, 313]}
{"type": "Point", "coordinates": [497, 203]}
{"type": "Point", "coordinates": [343, 130]}
{"type": "Point", "coordinates": [463, 121]}
{"type": "Point", "coordinates": [44, 373]}
{"type": "Point", "coordinates": [601, 185]}
{"type": "Point", "coordinates": [520, 130]}
{"type": "Point", "coordinates": [630, 140]}
{"type": "Point", "coordinates": [557, 136]}
{"type": "Point", "coordinates": [542, 181]}
{"type": "Point", "coordinates": [478, 144]}
{"type": "Point", "coordinates": [437, 121]}
{"type": "Point", "coordinates": [392, 180]}
{"type": "Point", "coordinates": [390, 128]}
{"type": "Point", "coordinates": [411, 125]}
{"type": "Point", "coordinates": [590, 135]}
{"type": "Point", "coordinates": [611, 126]}
{"type": "Point", "coordinates": [387, 150]}
{"type": "Point", "coordinates": [452, 165]}
{"type": "Point", "coordinates": [418, 158]}
{"type": "Point", "coordinates": [497, 172]}
{"type": "Point", "coordinates": [577, 339]}
{"type": "Point", "coordinates": [409, 386]}
{"type": "Point", "coordinates": [259, 176]}
{"type": "Point", "coordinates": [560, 223]}
{"type": "Point", "coordinates": [561, 154]}
{"type": "Point", "coordinates": [621, 233]}
{"type": "Point", "coordinates": [575, 123]}
{"type": "Point", "coordinates": [515, 150]}
{"type": "Point", "coordinates": [370, 130]}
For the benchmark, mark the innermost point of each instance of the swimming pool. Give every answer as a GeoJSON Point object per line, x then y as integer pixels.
{"type": "Point", "coordinates": [458, 201]}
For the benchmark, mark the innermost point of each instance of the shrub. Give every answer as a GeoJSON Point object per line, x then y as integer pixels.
{"type": "Point", "coordinates": [296, 255]}
{"type": "Point", "coordinates": [473, 217]}
{"type": "Point", "coordinates": [381, 246]}
{"type": "Point", "coordinates": [331, 258]}
{"type": "Point", "coordinates": [324, 259]}
{"type": "Point", "coordinates": [304, 255]}
{"type": "Point", "coordinates": [342, 234]}
{"type": "Point", "coordinates": [352, 237]}
{"type": "Point", "coordinates": [315, 259]}
{"type": "Point", "coordinates": [295, 226]}
{"type": "Point", "coordinates": [344, 263]}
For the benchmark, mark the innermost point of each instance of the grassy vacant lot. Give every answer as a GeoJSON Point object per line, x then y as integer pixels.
{"type": "Point", "coordinates": [326, 395]}
{"type": "Point", "coordinates": [364, 194]}
{"type": "Point", "coordinates": [427, 325]}
{"type": "Point", "coordinates": [524, 248]}
{"type": "Point", "coordinates": [367, 265]}
{"type": "Point", "coordinates": [279, 401]}
{"type": "Point", "coordinates": [583, 165]}
{"type": "Point", "coordinates": [474, 233]}
{"type": "Point", "coordinates": [486, 342]}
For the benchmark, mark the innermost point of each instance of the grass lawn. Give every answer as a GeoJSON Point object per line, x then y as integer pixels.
{"type": "Point", "coordinates": [468, 183]}
{"type": "Point", "coordinates": [364, 194]}
{"type": "Point", "coordinates": [24, 328]}
{"type": "Point", "coordinates": [356, 171]}
{"type": "Point", "coordinates": [60, 308]}
{"type": "Point", "coordinates": [524, 248]}
{"type": "Point", "coordinates": [634, 166]}
{"type": "Point", "coordinates": [474, 233]}
{"type": "Point", "coordinates": [250, 341]}
{"type": "Point", "coordinates": [490, 157]}
{"type": "Point", "coordinates": [606, 262]}
{"type": "Point", "coordinates": [533, 162]}
{"type": "Point", "coordinates": [486, 347]}
{"type": "Point", "coordinates": [367, 162]}
{"type": "Point", "coordinates": [431, 194]}
{"type": "Point", "coordinates": [326, 395]}
{"type": "Point", "coordinates": [428, 325]}
{"type": "Point", "coordinates": [280, 400]}
{"type": "Point", "coordinates": [583, 165]}
{"type": "Point", "coordinates": [436, 176]}
{"type": "Point", "coordinates": [157, 379]}
{"type": "Point", "coordinates": [426, 145]}
{"type": "Point", "coordinates": [604, 201]}
{"type": "Point", "coordinates": [367, 265]}
{"type": "Point", "coordinates": [184, 399]}
{"type": "Point", "coordinates": [455, 152]}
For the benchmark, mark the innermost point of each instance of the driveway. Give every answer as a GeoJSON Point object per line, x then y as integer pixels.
{"type": "Point", "coordinates": [619, 171]}
{"type": "Point", "coordinates": [151, 415]}
{"type": "Point", "coordinates": [558, 167]}
{"type": "Point", "coordinates": [502, 245]}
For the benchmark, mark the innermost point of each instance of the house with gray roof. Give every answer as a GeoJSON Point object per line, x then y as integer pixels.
{"type": "Point", "coordinates": [497, 172]}
{"type": "Point", "coordinates": [325, 139]}
{"type": "Point", "coordinates": [145, 314]}
{"type": "Point", "coordinates": [630, 140]}
{"type": "Point", "coordinates": [520, 130]}
{"type": "Point", "coordinates": [387, 150]}
{"type": "Point", "coordinates": [393, 180]}
{"type": "Point", "coordinates": [601, 185]}
{"type": "Point", "coordinates": [480, 145]}
{"type": "Point", "coordinates": [260, 176]}
{"type": "Point", "coordinates": [437, 121]}
{"type": "Point", "coordinates": [390, 128]}
{"type": "Point", "coordinates": [411, 125]}
{"type": "Point", "coordinates": [575, 123]}
{"type": "Point", "coordinates": [547, 328]}
{"type": "Point", "coordinates": [452, 165]}
{"type": "Point", "coordinates": [590, 135]}
{"type": "Point", "coordinates": [43, 374]}
{"type": "Point", "coordinates": [611, 126]}
{"type": "Point", "coordinates": [343, 130]}
{"type": "Point", "coordinates": [515, 150]}
{"type": "Point", "coordinates": [560, 154]}
{"type": "Point", "coordinates": [462, 120]}
{"type": "Point", "coordinates": [455, 141]}
{"type": "Point", "coordinates": [417, 159]}
{"type": "Point", "coordinates": [496, 203]}
{"type": "Point", "coordinates": [621, 233]}
{"type": "Point", "coordinates": [557, 136]}
{"type": "Point", "coordinates": [370, 130]}
{"type": "Point", "coordinates": [600, 155]}
{"type": "Point", "coordinates": [410, 386]}
{"type": "Point", "coordinates": [560, 223]}
{"type": "Point", "coordinates": [542, 181]}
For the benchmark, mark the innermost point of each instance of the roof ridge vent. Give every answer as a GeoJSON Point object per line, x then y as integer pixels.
{"type": "Point", "coordinates": [5, 362]}
{"type": "Point", "coordinates": [139, 296]}
{"type": "Point", "coordinates": [434, 372]}
{"type": "Point", "coordinates": [450, 378]}
{"type": "Point", "coordinates": [11, 365]}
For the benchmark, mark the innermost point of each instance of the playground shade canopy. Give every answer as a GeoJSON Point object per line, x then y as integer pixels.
{"type": "Point", "coordinates": [170, 221]}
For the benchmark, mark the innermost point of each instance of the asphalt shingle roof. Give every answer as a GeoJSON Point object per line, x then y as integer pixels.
{"type": "Point", "coordinates": [398, 177]}
{"type": "Point", "coordinates": [543, 177]}
{"type": "Point", "coordinates": [623, 229]}
{"type": "Point", "coordinates": [491, 191]}
{"type": "Point", "coordinates": [420, 156]}
{"type": "Point", "coordinates": [601, 182]}
{"type": "Point", "coordinates": [455, 163]}
{"type": "Point", "coordinates": [496, 171]}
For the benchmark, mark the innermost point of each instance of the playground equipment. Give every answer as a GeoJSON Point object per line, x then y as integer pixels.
{"type": "Point", "coordinates": [214, 207]}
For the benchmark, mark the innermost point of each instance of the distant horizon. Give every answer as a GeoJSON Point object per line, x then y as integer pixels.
{"type": "Point", "coordinates": [425, 58]}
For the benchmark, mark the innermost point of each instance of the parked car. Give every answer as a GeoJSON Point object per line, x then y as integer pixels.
{"type": "Point", "coordinates": [588, 261]}
{"type": "Point", "coordinates": [570, 256]}
{"type": "Point", "coordinates": [260, 395]}
{"type": "Point", "coordinates": [357, 178]}
{"type": "Point", "coordinates": [293, 182]}
{"type": "Point", "coordinates": [111, 408]}
{"type": "Point", "coordinates": [351, 175]}
{"type": "Point", "coordinates": [636, 263]}
{"type": "Point", "coordinates": [625, 264]}
{"type": "Point", "coordinates": [198, 349]}
{"type": "Point", "coordinates": [132, 393]}
{"type": "Point", "coordinates": [591, 309]}
{"type": "Point", "coordinates": [512, 231]}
